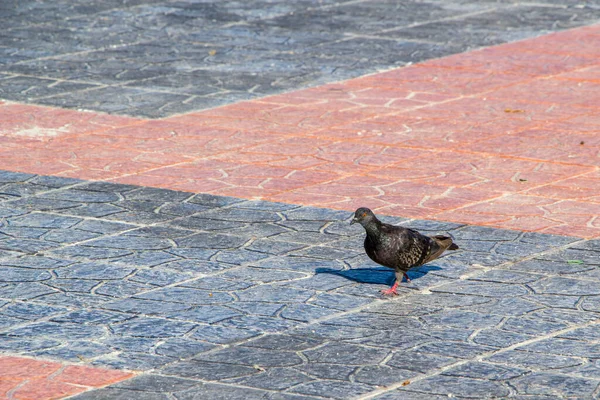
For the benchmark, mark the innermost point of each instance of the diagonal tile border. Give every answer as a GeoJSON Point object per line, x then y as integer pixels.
{"type": "Point", "coordinates": [506, 136]}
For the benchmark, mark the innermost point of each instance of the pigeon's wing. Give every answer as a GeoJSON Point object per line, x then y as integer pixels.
{"type": "Point", "coordinates": [410, 247]}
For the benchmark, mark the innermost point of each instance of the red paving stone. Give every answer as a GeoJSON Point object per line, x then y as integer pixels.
{"type": "Point", "coordinates": [507, 136]}
{"type": "Point", "coordinates": [28, 379]}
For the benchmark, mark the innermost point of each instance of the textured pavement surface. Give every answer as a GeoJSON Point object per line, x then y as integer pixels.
{"type": "Point", "coordinates": [157, 58]}
{"type": "Point", "coordinates": [254, 299]}
{"type": "Point", "coordinates": [215, 260]}
{"type": "Point", "coordinates": [507, 136]}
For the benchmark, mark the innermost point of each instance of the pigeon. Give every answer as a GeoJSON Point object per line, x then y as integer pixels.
{"type": "Point", "coordinates": [398, 247]}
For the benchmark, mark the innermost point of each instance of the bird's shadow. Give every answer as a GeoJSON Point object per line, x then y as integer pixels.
{"type": "Point", "coordinates": [376, 276]}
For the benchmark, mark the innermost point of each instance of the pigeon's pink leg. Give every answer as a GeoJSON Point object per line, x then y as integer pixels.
{"type": "Point", "coordinates": [406, 277]}
{"type": "Point", "coordinates": [391, 291]}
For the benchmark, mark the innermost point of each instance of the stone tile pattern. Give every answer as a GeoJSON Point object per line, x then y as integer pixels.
{"type": "Point", "coordinates": [26, 378]}
{"type": "Point", "coordinates": [156, 58]}
{"type": "Point", "coordinates": [253, 299]}
{"type": "Point", "coordinates": [506, 136]}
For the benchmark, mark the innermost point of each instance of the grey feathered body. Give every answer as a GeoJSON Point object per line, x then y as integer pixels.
{"type": "Point", "coordinates": [402, 248]}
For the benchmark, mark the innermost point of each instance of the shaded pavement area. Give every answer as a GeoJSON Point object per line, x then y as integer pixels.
{"type": "Point", "coordinates": [207, 253]}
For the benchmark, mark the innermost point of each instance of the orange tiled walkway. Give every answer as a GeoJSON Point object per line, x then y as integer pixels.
{"type": "Point", "coordinates": [508, 136]}
{"type": "Point", "coordinates": [28, 379]}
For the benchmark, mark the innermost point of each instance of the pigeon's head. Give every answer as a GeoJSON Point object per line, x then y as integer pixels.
{"type": "Point", "coordinates": [363, 216]}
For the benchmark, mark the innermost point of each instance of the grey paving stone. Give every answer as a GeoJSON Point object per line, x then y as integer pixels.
{"type": "Point", "coordinates": [223, 334]}
{"type": "Point", "coordinates": [327, 371]}
{"type": "Point", "coordinates": [25, 291]}
{"type": "Point", "coordinates": [564, 347]}
{"type": "Point", "coordinates": [252, 356]}
{"type": "Point", "coordinates": [152, 327]}
{"type": "Point", "coordinates": [182, 348]}
{"type": "Point", "coordinates": [11, 274]}
{"type": "Point", "coordinates": [338, 301]}
{"type": "Point", "coordinates": [395, 340]}
{"type": "Point", "coordinates": [30, 311]}
{"type": "Point", "coordinates": [555, 301]}
{"type": "Point", "coordinates": [214, 391]}
{"type": "Point", "coordinates": [57, 330]}
{"type": "Point", "coordinates": [257, 307]}
{"type": "Point", "coordinates": [488, 289]}
{"type": "Point", "coordinates": [463, 387]}
{"type": "Point", "coordinates": [94, 270]}
{"type": "Point", "coordinates": [7, 322]}
{"type": "Point", "coordinates": [305, 312]}
{"type": "Point", "coordinates": [546, 383]}
{"type": "Point", "coordinates": [274, 379]}
{"type": "Point", "coordinates": [502, 276]}
{"type": "Point", "coordinates": [211, 241]}
{"type": "Point", "coordinates": [211, 371]}
{"type": "Point", "coordinates": [206, 314]}
{"type": "Point", "coordinates": [539, 361]}
{"type": "Point", "coordinates": [262, 275]}
{"type": "Point", "coordinates": [121, 289]}
{"type": "Point", "coordinates": [334, 332]}
{"type": "Point", "coordinates": [382, 375]}
{"type": "Point", "coordinates": [10, 176]}
{"type": "Point", "coordinates": [531, 326]}
{"type": "Point", "coordinates": [419, 362]}
{"type": "Point", "coordinates": [132, 361]}
{"type": "Point", "coordinates": [334, 389]}
{"type": "Point", "coordinates": [275, 294]}
{"type": "Point", "coordinates": [158, 277]}
{"type": "Point", "coordinates": [507, 307]}
{"type": "Point", "coordinates": [73, 299]}
{"type": "Point", "coordinates": [130, 243]}
{"type": "Point", "coordinates": [74, 285]}
{"type": "Point", "coordinates": [92, 317]}
{"type": "Point", "coordinates": [258, 322]}
{"type": "Point", "coordinates": [409, 395]}
{"type": "Point", "coordinates": [348, 354]}
{"type": "Point", "coordinates": [460, 318]}
{"type": "Point", "coordinates": [269, 246]}
{"type": "Point", "coordinates": [187, 296]}
{"type": "Point", "coordinates": [42, 220]}
{"type": "Point", "coordinates": [70, 236]}
{"type": "Point", "coordinates": [120, 394]}
{"type": "Point", "coordinates": [197, 266]}
{"type": "Point", "coordinates": [80, 252]}
{"type": "Point", "coordinates": [454, 349]}
{"type": "Point", "coordinates": [239, 257]}
{"type": "Point", "coordinates": [26, 246]}
{"type": "Point", "coordinates": [27, 233]}
{"type": "Point", "coordinates": [564, 286]}
{"type": "Point", "coordinates": [156, 383]}
{"type": "Point", "coordinates": [283, 342]}
{"type": "Point", "coordinates": [500, 338]}
{"type": "Point", "coordinates": [483, 370]}
{"type": "Point", "coordinates": [142, 306]}
{"type": "Point", "coordinates": [74, 351]}
{"type": "Point", "coordinates": [218, 283]}
{"type": "Point", "coordinates": [374, 321]}
{"type": "Point", "coordinates": [16, 344]}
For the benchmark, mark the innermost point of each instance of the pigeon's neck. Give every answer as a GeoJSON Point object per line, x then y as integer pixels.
{"type": "Point", "coordinates": [373, 228]}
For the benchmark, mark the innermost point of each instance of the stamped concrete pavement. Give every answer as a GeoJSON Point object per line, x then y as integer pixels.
{"type": "Point", "coordinates": [210, 296]}
{"type": "Point", "coordinates": [156, 284]}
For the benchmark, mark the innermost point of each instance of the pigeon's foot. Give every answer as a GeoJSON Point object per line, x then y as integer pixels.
{"type": "Point", "coordinates": [391, 291]}
{"type": "Point", "coordinates": [406, 277]}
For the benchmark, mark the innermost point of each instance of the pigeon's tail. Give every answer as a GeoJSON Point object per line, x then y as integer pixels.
{"type": "Point", "coordinates": [442, 243]}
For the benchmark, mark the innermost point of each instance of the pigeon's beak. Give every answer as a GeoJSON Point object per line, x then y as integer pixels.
{"type": "Point", "coordinates": [354, 220]}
